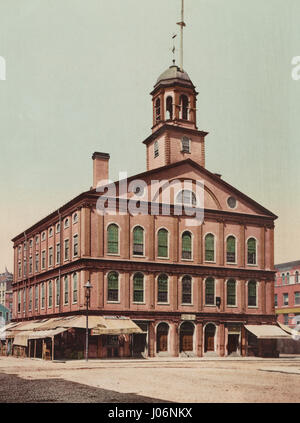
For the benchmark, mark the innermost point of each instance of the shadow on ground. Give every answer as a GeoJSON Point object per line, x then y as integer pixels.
{"type": "Point", "coordinates": [14, 389]}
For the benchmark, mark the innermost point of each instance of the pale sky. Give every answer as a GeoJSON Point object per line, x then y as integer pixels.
{"type": "Point", "coordinates": [79, 74]}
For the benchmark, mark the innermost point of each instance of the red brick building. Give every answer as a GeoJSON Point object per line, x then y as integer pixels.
{"type": "Point", "coordinates": [287, 292]}
{"type": "Point", "coordinates": [193, 290]}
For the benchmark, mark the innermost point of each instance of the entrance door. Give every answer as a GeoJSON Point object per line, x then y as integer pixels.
{"type": "Point", "coordinates": [210, 331]}
{"type": "Point", "coordinates": [139, 344]}
{"type": "Point", "coordinates": [233, 343]}
{"type": "Point", "coordinates": [162, 337]}
{"type": "Point", "coordinates": [186, 337]}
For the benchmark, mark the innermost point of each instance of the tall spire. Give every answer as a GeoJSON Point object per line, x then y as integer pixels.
{"type": "Point", "coordinates": [182, 25]}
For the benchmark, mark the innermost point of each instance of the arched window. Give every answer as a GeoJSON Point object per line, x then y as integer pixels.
{"type": "Point", "coordinates": [184, 103]}
{"type": "Point", "coordinates": [66, 224]}
{"type": "Point", "coordinates": [157, 110]}
{"type": "Point", "coordinates": [252, 297]}
{"type": "Point", "coordinates": [209, 247]}
{"type": "Point", "coordinates": [283, 278]}
{"type": "Point", "coordinates": [156, 149]}
{"type": "Point", "coordinates": [113, 286]}
{"type": "Point", "coordinates": [162, 243]}
{"type": "Point", "coordinates": [296, 276]}
{"type": "Point", "coordinates": [231, 292]}
{"type": "Point", "coordinates": [187, 245]}
{"type": "Point", "coordinates": [287, 278]}
{"type": "Point", "coordinates": [186, 297]}
{"type": "Point", "coordinates": [251, 249]}
{"type": "Point", "coordinates": [138, 241]}
{"type": "Point", "coordinates": [138, 288]}
{"type": "Point", "coordinates": [75, 288]}
{"type": "Point", "coordinates": [169, 107]}
{"type": "Point", "coordinates": [210, 291]}
{"type": "Point", "coordinates": [186, 197]}
{"type": "Point", "coordinates": [113, 239]}
{"type": "Point", "coordinates": [230, 249]}
{"type": "Point", "coordinates": [162, 289]}
{"type": "Point", "coordinates": [185, 145]}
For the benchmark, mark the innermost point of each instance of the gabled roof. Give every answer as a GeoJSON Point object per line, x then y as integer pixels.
{"type": "Point", "coordinates": [92, 192]}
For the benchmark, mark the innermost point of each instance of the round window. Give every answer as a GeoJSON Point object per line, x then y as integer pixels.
{"type": "Point", "coordinates": [231, 201]}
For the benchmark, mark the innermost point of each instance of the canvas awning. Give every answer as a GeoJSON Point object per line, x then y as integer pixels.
{"type": "Point", "coordinates": [116, 326]}
{"type": "Point", "coordinates": [21, 339]}
{"type": "Point", "coordinates": [39, 334]}
{"type": "Point", "coordinates": [267, 332]}
{"type": "Point", "coordinates": [289, 330]}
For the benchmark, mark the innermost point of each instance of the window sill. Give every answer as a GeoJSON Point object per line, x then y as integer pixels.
{"type": "Point", "coordinates": [231, 306]}
{"type": "Point", "coordinates": [191, 259]}
{"type": "Point", "coordinates": [113, 254]}
{"type": "Point", "coordinates": [252, 265]}
{"type": "Point", "coordinates": [187, 304]}
{"type": "Point", "coordinates": [252, 306]}
{"type": "Point", "coordinates": [113, 302]}
{"type": "Point", "coordinates": [138, 256]}
{"type": "Point", "coordinates": [210, 305]}
{"type": "Point", "coordinates": [138, 303]}
{"type": "Point", "coordinates": [163, 303]}
{"type": "Point", "coordinates": [231, 262]}
{"type": "Point", "coordinates": [208, 261]}
{"type": "Point", "coordinates": [163, 258]}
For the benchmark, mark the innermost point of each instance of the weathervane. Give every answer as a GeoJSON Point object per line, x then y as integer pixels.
{"type": "Point", "coordinates": [174, 48]}
{"type": "Point", "coordinates": [182, 25]}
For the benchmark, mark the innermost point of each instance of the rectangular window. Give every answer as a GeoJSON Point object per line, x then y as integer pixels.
{"type": "Point", "coordinates": [162, 291]}
{"type": "Point", "coordinates": [50, 256]}
{"type": "Point", "coordinates": [275, 300]}
{"type": "Point", "coordinates": [66, 290]}
{"type": "Point", "coordinates": [30, 299]}
{"type": "Point", "coordinates": [37, 261]}
{"type": "Point", "coordinates": [58, 253]}
{"type": "Point", "coordinates": [36, 298]}
{"type": "Point", "coordinates": [75, 246]}
{"type": "Point", "coordinates": [30, 264]}
{"type": "Point", "coordinates": [66, 249]}
{"type": "Point", "coordinates": [286, 319]}
{"type": "Point", "coordinates": [285, 299]}
{"type": "Point", "coordinates": [186, 290]}
{"type": "Point", "coordinates": [19, 301]}
{"type": "Point", "coordinates": [75, 288]}
{"type": "Point", "coordinates": [43, 259]}
{"type": "Point", "coordinates": [50, 294]}
{"type": "Point", "coordinates": [43, 295]}
{"type": "Point", "coordinates": [57, 292]}
{"type": "Point", "coordinates": [25, 267]}
{"type": "Point", "coordinates": [113, 287]}
{"type": "Point", "coordinates": [210, 292]}
{"type": "Point", "coordinates": [19, 269]}
{"type": "Point", "coordinates": [156, 149]}
{"type": "Point", "coordinates": [297, 298]}
{"type": "Point", "coordinates": [138, 288]}
{"type": "Point", "coordinates": [24, 300]}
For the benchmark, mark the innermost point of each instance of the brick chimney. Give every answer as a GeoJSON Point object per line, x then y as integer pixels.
{"type": "Point", "coordinates": [100, 167]}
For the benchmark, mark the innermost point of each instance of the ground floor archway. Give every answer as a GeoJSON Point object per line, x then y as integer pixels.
{"type": "Point", "coordinates": [162, 334]}
{"type": "Point", "coordinates": [186, 337]}
{"type": "Point", "coordinates": [209, 337]}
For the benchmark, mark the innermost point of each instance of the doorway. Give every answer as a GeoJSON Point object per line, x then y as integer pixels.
{"type": "Point", "coordinates": [186, 337]}
{"type": "Point", "coordinates": [210, 331]}
{"type": "Point", "coordinates": [233, 343]}
{"type": "Point", "coordinates": [162, 337]}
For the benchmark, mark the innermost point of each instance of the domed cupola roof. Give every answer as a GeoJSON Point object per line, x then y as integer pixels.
{"type": "Point", "coordinates": [174, 75]}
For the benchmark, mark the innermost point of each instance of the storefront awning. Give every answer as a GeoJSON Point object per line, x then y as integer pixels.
{"type": "Point", "coordinates": [289, 330]}
{"type": "Point", "coordinates": [267, 332]}
{"type": "Point", "coordinates": [39, 334]}
{"type": "Point", "coordinates": [116, 326]}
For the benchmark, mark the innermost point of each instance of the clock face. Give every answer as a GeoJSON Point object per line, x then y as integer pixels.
{"type": "Point", "coordinates": [231, 201]}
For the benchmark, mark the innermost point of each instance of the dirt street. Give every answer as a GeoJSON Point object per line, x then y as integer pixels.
{"type": "Point", "coordinates": [176, 380]}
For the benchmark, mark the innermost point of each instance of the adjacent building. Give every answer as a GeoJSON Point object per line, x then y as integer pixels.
{"type": "Point", "coordinates": [192, 289]}
{"type": "Point", "coordinates": [6, 292]}
{"type": "Point", "coordinates": [287, 293]}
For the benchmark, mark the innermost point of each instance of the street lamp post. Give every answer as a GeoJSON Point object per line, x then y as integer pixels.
{"type": "Point", "coordinates": [87, 288]}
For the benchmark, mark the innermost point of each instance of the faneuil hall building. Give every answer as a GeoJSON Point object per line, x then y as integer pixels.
{"type": "Point", "coordinates": [189, 289]}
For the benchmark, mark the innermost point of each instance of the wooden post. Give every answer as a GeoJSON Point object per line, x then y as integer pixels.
{"type": "Point", "coordinates": [43, 349]}
{"type": "Point", "coordinates": [34, 354]}
{"type": "Point", "coordinates": [52, 348]}
{"type": "Point", "coordinates": [29, 348]}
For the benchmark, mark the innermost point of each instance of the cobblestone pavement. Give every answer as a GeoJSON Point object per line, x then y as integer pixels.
{"type": "Point", "coordinates": [153, 380]}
